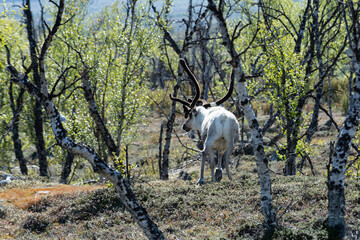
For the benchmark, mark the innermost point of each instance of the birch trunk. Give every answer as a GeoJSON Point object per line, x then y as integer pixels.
{"type": "Point", "coordinates": [261, 160]}
{"type": "Point", "coordinates": [301, 31]}
{"type": "Point", "coordinates": [164, 175]}
{"type": "Point", "coordinates": [16, 109]}
{"type": "Point", "coordinates": [66, 170]}
{"type": "Point", "coordinates": [100, 125]}
{"type": "Point", "coordinates": [99, 166]}
{"type": "Point", "coordinates": [319, 90]}
{"type": "Point", "coordinates": [256, 132]}
{"type": "Point", "coordinates": [336, 187]}
{"type": "Point", "coordinates": [38, 115]}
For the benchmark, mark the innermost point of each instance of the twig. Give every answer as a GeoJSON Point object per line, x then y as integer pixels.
{"type": "Point", "coordinates": [177, 136]}
{"type": "Point", "coordinates": [292, 203]}
{"type": "Point", "coordinates": [7, 55]}
{"type": "Point", "coordinates": [8, 130]}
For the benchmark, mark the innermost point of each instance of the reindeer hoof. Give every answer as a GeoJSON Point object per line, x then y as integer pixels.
{"type": "Point", "coordinates": [218, 174]}
{"type": "Point", "coordinates": [200, 181]}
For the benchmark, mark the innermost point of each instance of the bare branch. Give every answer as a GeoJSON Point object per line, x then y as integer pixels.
{"type": "Point", "coordinates": [54, 29]}
{"type": "Point", "coordinates": [59, 78]}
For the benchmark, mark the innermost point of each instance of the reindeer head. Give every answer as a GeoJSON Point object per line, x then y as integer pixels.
{"type": "Point", "coordinates": [196, 117]}
{"type": "Point", "coordinates": [190, 108]}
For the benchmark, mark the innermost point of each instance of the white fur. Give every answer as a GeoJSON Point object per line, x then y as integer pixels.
{"type": "Point", "coordinates": [219, 131]}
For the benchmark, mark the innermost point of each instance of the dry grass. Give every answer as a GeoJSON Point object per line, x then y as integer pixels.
{"type": "Point", "coordinates": [26, 197]}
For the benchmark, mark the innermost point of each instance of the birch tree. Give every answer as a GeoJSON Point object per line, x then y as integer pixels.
{"type": "Point", "coordinates": [44, 97]}
{"type": "Point", "coordinates": [287, 92]}
{"type": "Point", "coordinates": [12, 98]}
{"type": "Point", "coordinates": [318, 31]}
{"type": "Point", "coordinates": [38, 72]}
{"type": "Point", "coordinates": [326, 27]}
{"type": "Point", "coordinates": [256, 132]}
{"type": "Point", "coordinates": [336, 182]}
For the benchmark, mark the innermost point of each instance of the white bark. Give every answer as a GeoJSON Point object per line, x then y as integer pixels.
{"type": "Point", "coordinates": [336, 186]}
{"type": "Point", "coordinates": [256, 132]}
{"type": "Point", "coordinates": [99, 166]}
{"type": "Point", "coordinates": [261, 160]}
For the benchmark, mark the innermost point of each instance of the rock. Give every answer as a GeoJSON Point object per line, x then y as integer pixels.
{"type": "Point", "coordinates": [5, 178]}
{"type": "Point", "coordinates": [184, 176]}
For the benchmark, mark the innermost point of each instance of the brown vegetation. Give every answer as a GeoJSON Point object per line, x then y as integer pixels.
{"type": "Point", "coordinates": [27, 197]}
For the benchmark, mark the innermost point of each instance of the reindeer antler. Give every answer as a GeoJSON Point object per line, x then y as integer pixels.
{"type": "Point", "coordinates": [227, 95]}
{"type": "Point", "coordinates": [190, 105]}
{"type": "Point", "coordinates": [195, 81]}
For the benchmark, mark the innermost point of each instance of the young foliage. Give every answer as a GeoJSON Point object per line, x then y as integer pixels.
{"type": "Point", "coordinates": [287, 91]}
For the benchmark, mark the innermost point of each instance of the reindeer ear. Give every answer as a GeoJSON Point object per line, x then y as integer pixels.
{"type": "Point", "coordinates": [187, 110]}
{"type": "Point", "coordinates": [194, 111]}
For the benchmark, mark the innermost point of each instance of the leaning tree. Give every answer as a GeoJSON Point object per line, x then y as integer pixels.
{"type": "Point", "coordinates": [42, 94]}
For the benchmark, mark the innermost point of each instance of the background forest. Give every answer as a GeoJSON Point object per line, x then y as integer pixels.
{"type": "Point", "coordinates": [92, 145]}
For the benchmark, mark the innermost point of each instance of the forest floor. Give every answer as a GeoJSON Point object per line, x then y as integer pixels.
{"type": "Point", "coordinates": [38, 209]}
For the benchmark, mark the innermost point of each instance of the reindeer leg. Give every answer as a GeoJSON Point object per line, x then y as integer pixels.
{"type": "Point", "coordinates": [201, 179]}
{"type": "Point", "coordinates": [227, 160]}
{"type": "Point", "coordinates": [218, 172]}
{"type": "Point", "coordinates": [208, 150]}
{"type": "Point", "coordinates": [212, 165]}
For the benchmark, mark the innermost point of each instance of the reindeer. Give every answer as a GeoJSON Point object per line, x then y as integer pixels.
{"type": "Point", "coordinates": [219, 128]}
